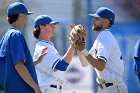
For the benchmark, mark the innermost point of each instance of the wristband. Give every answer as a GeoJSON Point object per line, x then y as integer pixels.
{"type": "Point", "coordinates": [85, 52]}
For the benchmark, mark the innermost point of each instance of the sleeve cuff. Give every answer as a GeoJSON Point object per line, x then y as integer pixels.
{"type": "Point", "coordinates": [55, 63]}
{"type": "Point", "coordinates": [61, 65]}
{"type": "Point", "coordinates": [103, 58]}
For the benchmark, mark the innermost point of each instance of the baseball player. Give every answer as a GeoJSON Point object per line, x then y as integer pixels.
{"type": "Point", "coordinates": [50, 71]}
{"type": "Point", "coordinates": [105, 55]}
{"type": "Point", "coordinates": [137, 59]}
{"type": "Point", "coordinates": [17, 72]}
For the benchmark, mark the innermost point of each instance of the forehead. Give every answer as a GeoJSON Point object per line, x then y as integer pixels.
{"type": "Point", "coordinates": [49, 25]}
{"type": "Point", "coordinates": [24, 14]}
{"type": "Point", "coordinates": [97, 18]}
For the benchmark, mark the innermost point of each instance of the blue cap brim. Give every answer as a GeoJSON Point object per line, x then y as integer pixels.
{"type": "Point", "coordinates": [94, 15]}
{"type": "Point", "coordinates": [54, 22]}
{"type": "Point", "coordinates": [29, 13]}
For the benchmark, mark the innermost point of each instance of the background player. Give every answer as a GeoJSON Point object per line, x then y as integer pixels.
{"type": "Point", "coordinates": [17, 72]}
{"type": "Point", "coordinates": [137, 59]}
{"type": "Point", "coordinates": [50, 71]}
{"type": "Point", "coordinates": [105, 55]}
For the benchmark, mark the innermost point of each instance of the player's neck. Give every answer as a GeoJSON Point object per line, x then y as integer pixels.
{"type": "Point", "coordinates": [16, 25]}
{"type": "Point", "coordinates": [44, 38]}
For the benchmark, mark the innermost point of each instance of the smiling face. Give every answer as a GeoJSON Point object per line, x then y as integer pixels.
{"type": "Point", "coordinates": [50, 30]}
{"type": "Point", "coordinates": [47, 31]}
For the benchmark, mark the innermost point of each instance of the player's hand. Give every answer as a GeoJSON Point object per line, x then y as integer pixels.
{"type": "Point", "coordinates": [41, 55]}
{"type": "Point", "coordinates": [80, 44]}
{"type": "Point", "coordinates": [37, 90]}
{"type": "Point", "coordinates": [77, 36]}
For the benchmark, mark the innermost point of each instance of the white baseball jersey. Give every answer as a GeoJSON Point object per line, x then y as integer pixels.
{"type": "Point", "coordinates": [46, 72]}
{"type": "Point", "coordinates": [106, 47]}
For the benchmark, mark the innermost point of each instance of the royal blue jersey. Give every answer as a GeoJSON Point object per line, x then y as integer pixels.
{"type": "Point", "coordinates": [13, 48]}
{"type": "Point", "coordinates": [137, 49]}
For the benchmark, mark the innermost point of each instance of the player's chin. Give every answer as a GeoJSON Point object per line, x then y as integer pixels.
{"type": "Point", "coordinates": [97, 29]}
{"type": "Point", "coordinates": [93, 29]}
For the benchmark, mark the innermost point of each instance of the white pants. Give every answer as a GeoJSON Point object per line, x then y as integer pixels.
{"type": "Point", "coordinates": [50, 90]}
{"type": "Point", "coordinates": [115, 88]}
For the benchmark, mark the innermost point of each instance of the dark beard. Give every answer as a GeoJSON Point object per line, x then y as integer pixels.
{"type": "Point", "coordinates": [99, 28]}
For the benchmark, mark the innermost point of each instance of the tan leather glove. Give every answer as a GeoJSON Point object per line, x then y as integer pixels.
{"type": "Point", "coordinates": [78, 36]}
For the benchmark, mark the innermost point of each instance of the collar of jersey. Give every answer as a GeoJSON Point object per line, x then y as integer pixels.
{"type": "Point", "coordinates": [13, 28]}
{"type": "Point", "coordinates": [103, 31]}
{"type": "Point", "coordinates": [49, 42]}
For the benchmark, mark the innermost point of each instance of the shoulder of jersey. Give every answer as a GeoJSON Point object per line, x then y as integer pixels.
{"type": "Point", "coordinates": [43, 43]}
{"type": "Point", "coordinates": [105, 38]}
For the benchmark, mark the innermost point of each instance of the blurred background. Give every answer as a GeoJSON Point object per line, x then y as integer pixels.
{"type": "Point", "coordinates": [126, 30]}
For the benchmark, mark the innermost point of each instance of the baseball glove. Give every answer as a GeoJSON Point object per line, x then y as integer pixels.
{"type": "Point", "coordinates": [78, 36]}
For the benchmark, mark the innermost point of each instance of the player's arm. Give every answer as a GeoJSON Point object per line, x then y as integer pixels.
{"type": "Point", "coordinates": [103, 52]}
{"type": "Point", "coordinates": [25, 75]}
{"type": "Point", "coordinates": [69, 54]}
{"type": "Point", "coordinates": [98, 63]}
{"type": "Point", "coordinates": [62, 64]}
{"type": "Point", "coordinates": [18, 55]}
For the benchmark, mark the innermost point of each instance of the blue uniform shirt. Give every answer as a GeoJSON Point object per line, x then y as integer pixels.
{"type": "Point", "coordinates": [137, 49]}
{"type": "Point", "coordinates": [13, 48]}
{"type": "Point", "coordinates": [137, 55]}
{"type": "Point", "coordinates": [137, 58]}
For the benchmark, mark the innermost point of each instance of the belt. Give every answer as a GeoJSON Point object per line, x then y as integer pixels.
{"type": "Point", "coordinates": [105, 85]}
{"type": "Point", "coordinates": [56, 86]}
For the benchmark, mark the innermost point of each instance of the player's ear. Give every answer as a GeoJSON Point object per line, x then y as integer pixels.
{"type": "Point", "coordinates": [20, 16]}
{"type": "Point", "coordinates": [106, 20]}
{"type": "Point", "coordinates": [42, 27]}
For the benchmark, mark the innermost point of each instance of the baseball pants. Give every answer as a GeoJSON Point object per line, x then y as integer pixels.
{"type": "Point", "coordinates": [113, 88]}
{"type": "Point", "coordinates": [51, 90]}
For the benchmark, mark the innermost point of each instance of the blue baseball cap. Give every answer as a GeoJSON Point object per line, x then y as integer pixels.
{"type": "Point", "coordinates": [43, 20]}
{"type": "Point", "coordinates": [104, 12]}
{"type": "Point", "coordinates": [17, 8]}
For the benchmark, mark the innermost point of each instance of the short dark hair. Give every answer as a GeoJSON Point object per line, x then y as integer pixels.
{"type": "Point", "coordinates": [36, 32]}
{"type": "Point", "coordinates": [13, 18]}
